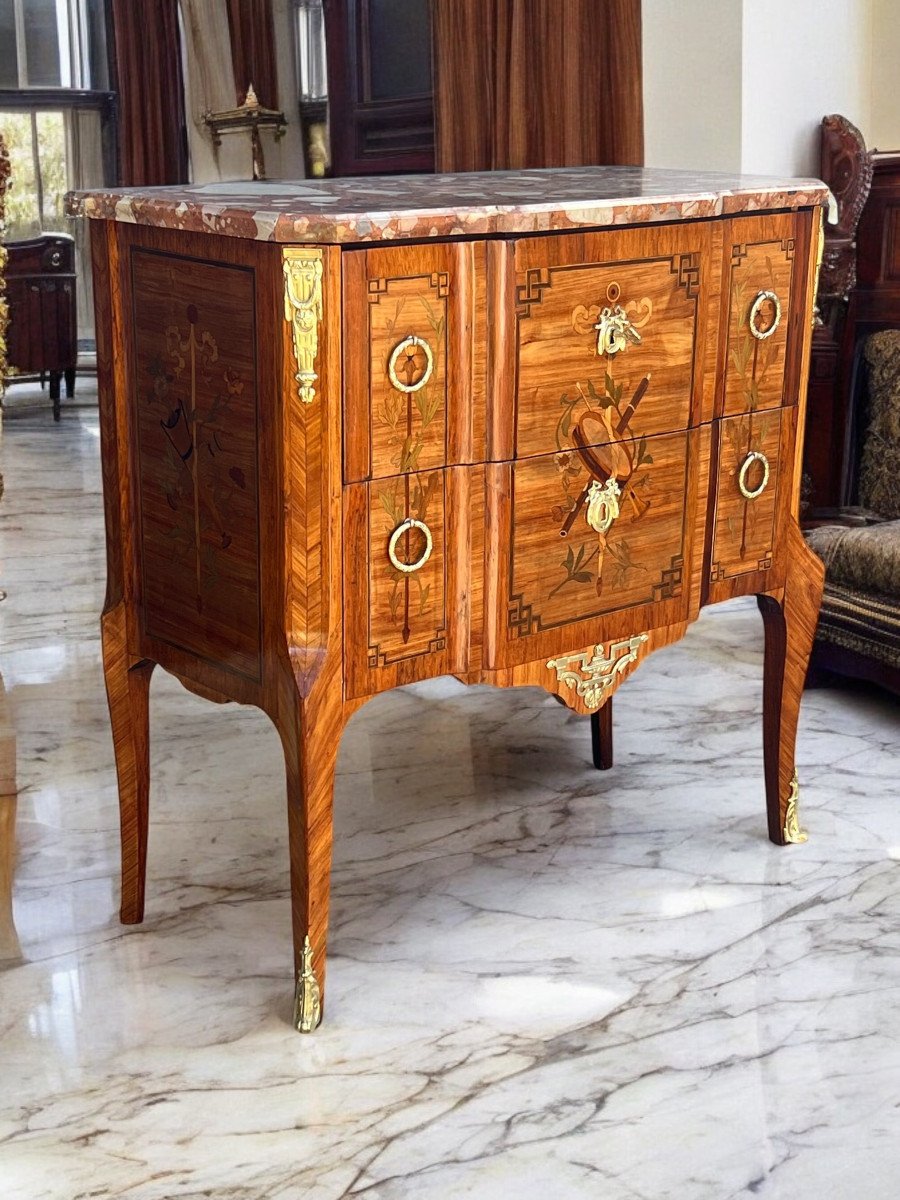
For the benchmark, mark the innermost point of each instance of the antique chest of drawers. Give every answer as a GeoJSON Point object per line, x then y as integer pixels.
{"type": "Point", "coordinates": [518, 428]}
{"type": "Point", "coordinates": [43, 325]}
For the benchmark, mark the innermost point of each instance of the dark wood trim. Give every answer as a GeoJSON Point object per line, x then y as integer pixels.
{"type": "Point", "coordinates": [830, 664]}
{"type": "Point", "coordinates": [602, 737]}
{"type": "Point", "coordinates": [82, 100]}
{"type": "Point", "coordinates": [51, 98]}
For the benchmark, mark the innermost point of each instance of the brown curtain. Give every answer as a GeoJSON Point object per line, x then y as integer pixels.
{"type": "Point", "coordinates": [537, 83]}
{"type": "Point", "coordinates": [152, 141]}
{"type": "Point", "coordinates": [252, 33]}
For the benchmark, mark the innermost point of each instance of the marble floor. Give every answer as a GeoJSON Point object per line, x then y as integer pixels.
{"type": "Point", "coordinates": [544, 981]}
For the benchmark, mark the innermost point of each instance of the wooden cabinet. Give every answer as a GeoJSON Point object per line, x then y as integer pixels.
{"type": "Point", "coordinates": [43, 328]}
{"type": "Point", "coordinates": [442, 441]}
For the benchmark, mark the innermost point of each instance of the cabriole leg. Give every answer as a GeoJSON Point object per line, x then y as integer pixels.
{"type": "Point", "coordinates": [128, 695]}
{"type": "Point", "coordinates": [790, 626]}
{"type": "Point", "coordinates": [310, 735]}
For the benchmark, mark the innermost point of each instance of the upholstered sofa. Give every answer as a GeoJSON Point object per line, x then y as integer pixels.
{"type": "Point", "coordinates": [859, 626]}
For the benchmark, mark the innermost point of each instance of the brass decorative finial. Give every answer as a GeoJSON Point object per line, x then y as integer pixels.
{"type": "Point", "coordinates": [251, 100]}
{"type": "Point", "coordinates": [307, 998]}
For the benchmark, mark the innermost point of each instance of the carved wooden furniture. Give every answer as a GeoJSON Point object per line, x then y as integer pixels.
{"type": "Point", "coordinates": [852, 503]}
{"type": "Point", "coordinates": [43, 330]}
{"type": "Point", "coordinates": [518, 428]}
{"type": "Point", "coordinates": [859, 294]}
{"type": "Point", "coordinates": [858, 633]}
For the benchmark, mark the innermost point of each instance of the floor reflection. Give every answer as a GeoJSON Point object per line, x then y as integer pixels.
{"type": "Point", "coordinates": [10, 951]}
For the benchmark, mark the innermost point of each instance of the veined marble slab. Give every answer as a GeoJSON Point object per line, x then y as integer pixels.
{"type": "Point", "coordinates": [545, 982]}
{"type": "Point", "coordinates": [392, 207]}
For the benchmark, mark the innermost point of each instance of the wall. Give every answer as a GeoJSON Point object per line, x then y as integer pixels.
{"type": "Point", "coordinates": [692, 94]}
{"type": "Point", "coordinates": [884, 131]}
{"type": "Point", "coordinates": [743, 84]}
{"type": "Point", "coordinates": [801, 60]}
{"type": "Point", "coordinates": [209, 86]}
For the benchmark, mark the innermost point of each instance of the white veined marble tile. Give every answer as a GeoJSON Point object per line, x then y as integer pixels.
{"type": "Point", "coordinates": [544, 981]}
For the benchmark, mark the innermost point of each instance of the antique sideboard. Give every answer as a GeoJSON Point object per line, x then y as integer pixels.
{"type": "Point", "coordinates": [518, 428]}
{"type": "Point", "coordinates": [43, 325]}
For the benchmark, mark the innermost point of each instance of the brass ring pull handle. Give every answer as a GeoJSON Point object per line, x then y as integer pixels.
{"type": "Point", "coordinates": [405, 527]}
{"type": "Point", "coordinates": [409, 348]}
{"type": "Point", "coordinates": [755, 456]}
{"type": "Point", "coordinates": [756, 310]}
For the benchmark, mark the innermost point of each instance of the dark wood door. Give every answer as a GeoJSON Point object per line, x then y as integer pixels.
{"type": "Point", "coordinates": [380, 96]}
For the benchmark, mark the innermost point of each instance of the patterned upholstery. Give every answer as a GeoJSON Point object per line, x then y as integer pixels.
{"type": "Point", "coordinates": [866, 558]}
{"type": "Point", "coordinates": [879, 476]}
{"type": "Point", "coordinates": [861, 607]}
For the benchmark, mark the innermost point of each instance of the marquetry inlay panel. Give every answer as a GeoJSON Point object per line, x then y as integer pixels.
{"type": "Point", "coordinates": [761, 262]}
{"type": "Point", "coordinates": [194, 406]}
{"type": "Point", "coordinates": [745, 528]}
{"type": "Point", "coordinates": [558, 569]}
{"type": "Point", "coordinates": [570, 369]}
{"type": "Point", "coordinates": [397, 350]}
{"type": "Point", "coordinates": [403, 613]}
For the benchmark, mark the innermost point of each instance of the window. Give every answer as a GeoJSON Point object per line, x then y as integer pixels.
{"type": "Point", "coordinates": [57, 118]}
{"type": "Point", "coordinates": [53, 44]}
{"type": "Point", "coordinates": [37, 157]}
{"type": "Point", "coordinates": [311, 71]}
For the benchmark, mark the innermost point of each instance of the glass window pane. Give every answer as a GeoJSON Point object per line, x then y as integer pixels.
{"type": "Point", "coordinates": [98, 56]}
{"type": "Point", "coordinates": [54, 176]}
{"type": "Point", "coordinates": [311, 50]}
{"type": "Point", "coordinates": [42, 43]}
{"type": "Point", "coordinates": [399, 48]}
{"type": "Point", "coordinates": [23, 218]}
{"type": "Point", "coordinates": [9, 71]}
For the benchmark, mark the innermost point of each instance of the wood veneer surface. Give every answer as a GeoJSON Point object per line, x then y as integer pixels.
{"type": "Point", "coordinates": [293, 603]}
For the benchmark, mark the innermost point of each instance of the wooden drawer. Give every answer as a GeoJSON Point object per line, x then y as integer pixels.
{"type": "Point", "coordinates": [550, 570]}
{"type": "Point", "coordinates": [754, 465]}
{"type": "Point", "coordinates": [396, 623]}
{"type": "Point", "coordinates": [414, 358]}
{"type": "Point", "coordinates": [759, 291]}
{"type": "Point", "coordinates": [599, 316]}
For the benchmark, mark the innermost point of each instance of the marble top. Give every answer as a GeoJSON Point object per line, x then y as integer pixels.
{"type": "Point", "coordinates": [391, 207]}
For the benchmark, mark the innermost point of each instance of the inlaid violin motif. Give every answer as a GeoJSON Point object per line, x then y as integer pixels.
{"type": "Point", "coordinates": [598, 441]}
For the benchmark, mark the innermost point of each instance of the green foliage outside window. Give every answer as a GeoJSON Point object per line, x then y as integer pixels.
{"type": "Point", "coordinates": [37, 151]}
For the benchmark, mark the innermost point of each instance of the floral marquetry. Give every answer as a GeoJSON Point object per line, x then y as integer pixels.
{"type": "Point", "coordinates": [590, 532]}
{"type": "Point", "coordinates": [760, 279]}
{"type": "Point", "coordinates": [398, 350]}
{"type": "Point", "coordinates": [195, 376]}
{"type": "Point", "coordinates": [599, 316]}
{"type": "Point", "coordinates": [748, 478]}
{"type": "Point", "coordinates": [399, 543]}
